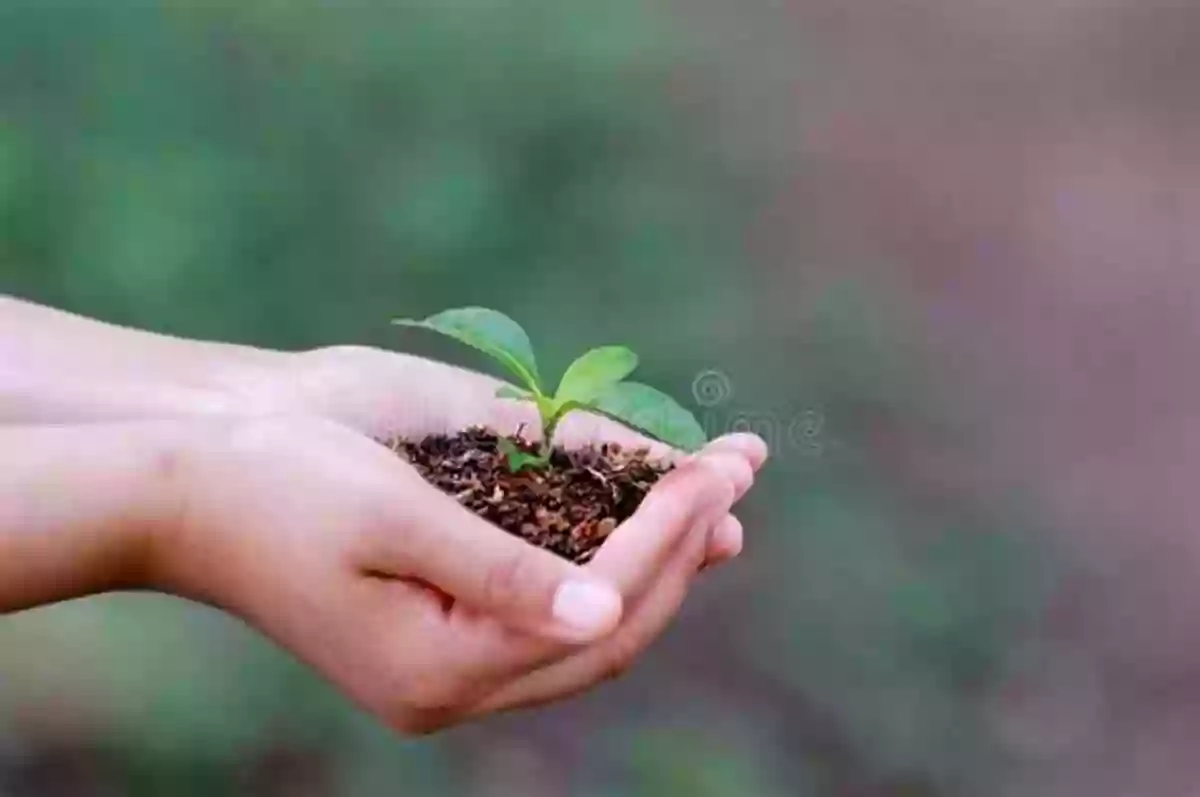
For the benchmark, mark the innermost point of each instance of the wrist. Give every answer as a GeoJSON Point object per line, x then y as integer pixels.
{"type": "Point", "coordinates": [153, 467]}
{"type": "Point", "coordinates": [62, 368]}
{"type": "Point", "coordinates": [211, 385]}
{"type": "Point", "coordinates": [81, 508]}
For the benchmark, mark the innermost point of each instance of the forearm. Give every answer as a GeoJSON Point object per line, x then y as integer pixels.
{"type": "Point", "coordinates": [81, 505]}
{"type": "Point", "coordinates": [60, 367]}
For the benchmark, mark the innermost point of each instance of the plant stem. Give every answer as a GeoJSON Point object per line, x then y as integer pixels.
{"type": "Point", "coordinates": [549, 427]}
{"type": "Point", "coordinates": [545, 449]}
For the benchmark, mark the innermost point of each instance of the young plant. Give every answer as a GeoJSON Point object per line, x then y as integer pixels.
{"type": "Point", "coordinates": [595, 381]}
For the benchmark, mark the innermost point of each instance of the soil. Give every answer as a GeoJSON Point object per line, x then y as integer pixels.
{"type": "Point", "coordinates": [569, 507]}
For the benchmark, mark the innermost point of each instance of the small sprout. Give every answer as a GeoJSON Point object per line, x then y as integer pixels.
{"type": "Point", "coordinates": [518, 459]}
{"type": "Point", "coordinates": [594, 382]}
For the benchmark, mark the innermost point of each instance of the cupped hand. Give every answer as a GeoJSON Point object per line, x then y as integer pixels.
{"type": "Point", "coordinates": [386, 395]}
{"type": "Point", "coordinates": [254, 481]}
{"type": "Point", "coordinates": [420, 611]}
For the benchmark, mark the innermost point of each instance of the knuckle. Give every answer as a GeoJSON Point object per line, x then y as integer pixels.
{"type": "Point", "coordinates": [506, 579]}
{"type": "Point", "coordinates": [615, 668]}
{"type": "Point", "coordinates": [619, 660]}
{"type": "Point", "coordinates": [380, 531]}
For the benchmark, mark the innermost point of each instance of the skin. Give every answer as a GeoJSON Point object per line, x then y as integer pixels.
{"type": "Point", "coordinates": [252, 481]}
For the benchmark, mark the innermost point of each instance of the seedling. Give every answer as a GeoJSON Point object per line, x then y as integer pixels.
{"type": "Point", "coordinates": [595, 381]}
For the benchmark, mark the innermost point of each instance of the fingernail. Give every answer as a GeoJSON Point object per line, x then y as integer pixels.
{"type": "Point", "coordinates": [735, 469]}
{"type": "Point", "coordinates": [585, 606]}
{"type": "Point", "coordinates": [750, 446]}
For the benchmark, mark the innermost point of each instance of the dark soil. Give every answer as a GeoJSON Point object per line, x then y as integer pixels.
{"type": "Point", "coordinates": [569, 507]}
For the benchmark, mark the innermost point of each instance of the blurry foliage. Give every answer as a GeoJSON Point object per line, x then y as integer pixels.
{"type": "Point", "coordinates": [225, 168]}
{"type": "Point", "coordinates": [296, 174]}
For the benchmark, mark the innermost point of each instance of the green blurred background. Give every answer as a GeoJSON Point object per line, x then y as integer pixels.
{"type": "Point", "coordinates": [295, 174]}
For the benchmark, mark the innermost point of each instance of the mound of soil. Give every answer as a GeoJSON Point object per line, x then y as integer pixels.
{"type": "Point", "coordinates": [569, 507]}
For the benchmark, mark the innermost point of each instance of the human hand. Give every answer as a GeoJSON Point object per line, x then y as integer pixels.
{"type": "Point", "coordinates": [283, 510]}
{"type": "Point", "coordinates": [386, 395]}
{"type": "Point", "coordinates": [422, 613]}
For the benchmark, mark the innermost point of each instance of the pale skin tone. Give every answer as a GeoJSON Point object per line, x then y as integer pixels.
{"type": "Point", "coordinates": [252, 481]}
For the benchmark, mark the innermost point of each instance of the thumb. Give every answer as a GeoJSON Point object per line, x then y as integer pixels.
{"type": "Point", "coordinates": [501, 575]}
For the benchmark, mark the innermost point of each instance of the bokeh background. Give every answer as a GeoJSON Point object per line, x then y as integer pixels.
{"type": "Point", "coordinates": [942, 254]}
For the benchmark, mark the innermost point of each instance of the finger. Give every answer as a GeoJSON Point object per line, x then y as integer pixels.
{"type": "Point", "coordinates": [492, 571]}
{"type": "Point", "coordinates": [613, 656]}
{"type": "Point", "coordinates": [631, 560]}
{"type": "Point", "coordinates": [632, 557]}
{"type": "Point", "coordinates": [750, 446]}
{"type": "Point", "coordinates": [724, 543]}
{"type": "Point", "coordinates": [583, 428]}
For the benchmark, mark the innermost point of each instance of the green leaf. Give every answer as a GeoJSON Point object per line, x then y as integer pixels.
{"type": "Point", "coordinates": [518, 459]}
{"type": "Point", "coordinates": [653, 412]}
{"type": "Point", "coordinates": [512, 392]}
{"type": "Point", "coordinates": [594, 371]}
{"type": "Point", "coordinates": [491, 332]}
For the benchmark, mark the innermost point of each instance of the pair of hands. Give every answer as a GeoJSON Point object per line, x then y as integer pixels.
{"type": "Point", "coordinates": [290, 515]}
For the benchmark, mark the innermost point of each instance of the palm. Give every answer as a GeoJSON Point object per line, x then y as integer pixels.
{"type": "Point", "coordinates": [384, 395]}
